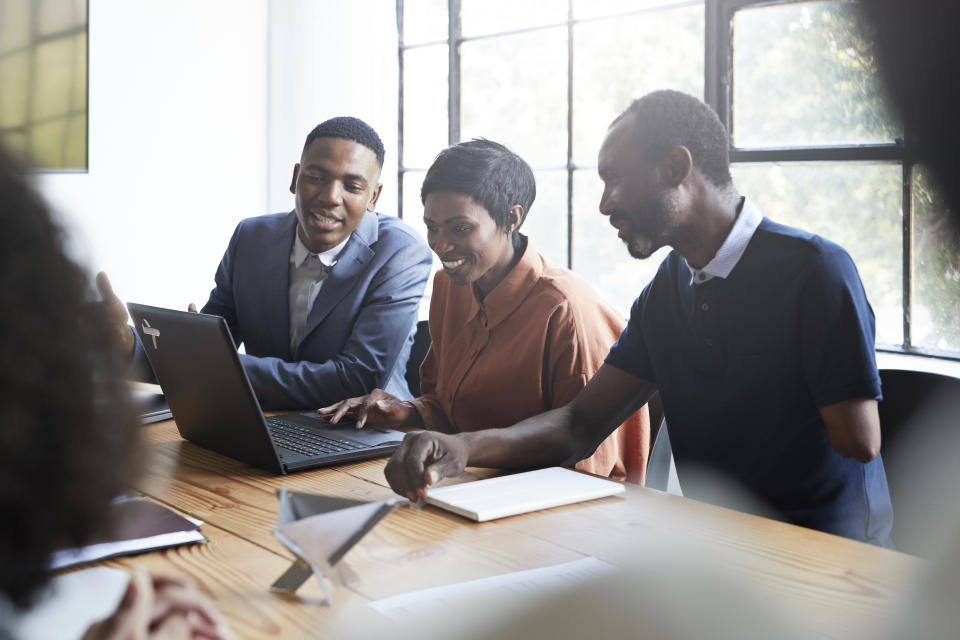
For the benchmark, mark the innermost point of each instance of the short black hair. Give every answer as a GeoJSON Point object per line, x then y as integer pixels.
{"type": "Point", "coordinates": [68, 431]}
{"type": "Point", "coordinates": [348, 128]}
{"type": "Point", "coordinates": [666, 119]}
{"type": "Point", "coordinates": [488, 172]}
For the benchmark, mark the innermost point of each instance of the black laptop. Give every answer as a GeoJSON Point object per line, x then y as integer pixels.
{"type": "Point", "coordinates": [214, 406]}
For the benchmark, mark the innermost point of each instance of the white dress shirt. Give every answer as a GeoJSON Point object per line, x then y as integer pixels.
{"type": "Point", "coordinates": [307, 273]}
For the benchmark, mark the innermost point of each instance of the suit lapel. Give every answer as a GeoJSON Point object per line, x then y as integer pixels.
{"type": "Point", "coordinates": [344, 275]}
{"type": "Point", "coordinates": [276, 284]}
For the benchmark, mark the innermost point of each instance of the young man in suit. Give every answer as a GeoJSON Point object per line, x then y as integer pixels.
{"type": "Point", "coordinates": [325, 297]}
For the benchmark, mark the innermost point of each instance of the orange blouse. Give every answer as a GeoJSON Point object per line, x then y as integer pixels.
{"type": "Point", "coordinates": [531, 345]}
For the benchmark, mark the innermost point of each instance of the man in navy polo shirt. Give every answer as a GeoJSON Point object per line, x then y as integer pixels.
{"type": "Point", "coordinates": [758, 336]}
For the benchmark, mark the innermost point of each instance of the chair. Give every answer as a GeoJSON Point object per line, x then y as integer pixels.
{"type": "Point", "coordinates": [421, 343]}
{"type": "Point", "coordinates": [917, 423]}
{"type": "Point", "coordinates": [904, 394]}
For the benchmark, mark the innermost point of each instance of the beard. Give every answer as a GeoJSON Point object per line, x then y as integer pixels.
{"type": "Point", "coordinates": [659, 225]}
{"type": "Point", "coordinates": [641, 247]}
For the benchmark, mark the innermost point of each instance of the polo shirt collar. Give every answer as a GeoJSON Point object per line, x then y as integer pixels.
{"type": "Point", "coordinates": [327, 258]}
{"type": "Point", "coordinates": [511, 291]}
{"type": "Point", "coordinates": [730, 252]}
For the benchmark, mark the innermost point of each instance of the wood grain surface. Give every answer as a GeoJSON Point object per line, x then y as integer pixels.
{"type": "Point", "coordinates": [831, 586]}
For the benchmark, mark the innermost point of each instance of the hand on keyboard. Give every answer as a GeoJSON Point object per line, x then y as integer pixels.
{"type": "Point", "coordinates": [377, 408]}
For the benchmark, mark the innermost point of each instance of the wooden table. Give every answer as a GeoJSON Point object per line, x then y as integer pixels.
{"type": "Point", "coordinates": [833, 586]}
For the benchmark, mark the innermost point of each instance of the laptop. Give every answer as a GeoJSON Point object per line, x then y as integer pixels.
{"type": "Point", "coordinates": [214, 406]}
{"type": "Point", "coordinates": [149, 400]}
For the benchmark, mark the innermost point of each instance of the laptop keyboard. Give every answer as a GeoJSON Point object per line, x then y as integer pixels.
{"type": "Point", "coordinates": [305, 441]}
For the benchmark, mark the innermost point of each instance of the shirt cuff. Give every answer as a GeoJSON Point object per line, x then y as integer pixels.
{"type": "Point", "coordinates": [433, 417]}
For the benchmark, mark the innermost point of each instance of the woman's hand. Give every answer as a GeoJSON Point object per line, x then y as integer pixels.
{"type": "Point", "coordinates": [155, 607]}
{"type": "Point", "coordinates": [377, 408]}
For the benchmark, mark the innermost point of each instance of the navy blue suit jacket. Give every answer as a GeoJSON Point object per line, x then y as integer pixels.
{"type": "Point", "coordinates": [360, 329]}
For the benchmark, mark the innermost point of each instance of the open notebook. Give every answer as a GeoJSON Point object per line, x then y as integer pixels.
{"type": "Point", "coordinates": [521, 492]}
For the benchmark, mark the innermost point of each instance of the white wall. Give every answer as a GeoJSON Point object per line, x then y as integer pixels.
{"type": "Point", "coordinates": [177, 143]}
{"type": "Point", "coordinates": [198, 110]}
{"type": "Point", "coordinates": [328, 59]}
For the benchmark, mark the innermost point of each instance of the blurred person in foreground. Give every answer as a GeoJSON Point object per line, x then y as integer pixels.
{"type": "Point", "coordinates": [918, 55]}
{"type": "Point", "coordinates": [68, 439]}
{"type": "Point", "coordinates": [759, 338]}
{"type": "Point", "coordinates": [512, 335]}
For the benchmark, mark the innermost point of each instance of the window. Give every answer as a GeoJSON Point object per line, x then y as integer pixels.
{"type": "Point", "coordinates": [43, 72]}
{"type": "Point", "coordinates": [813, 142]}
{"type": "Point", "coordinates": [545, 78]}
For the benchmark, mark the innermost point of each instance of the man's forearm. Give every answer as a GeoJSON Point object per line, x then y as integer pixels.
{"type": "Point", "coordinates": [297, 385]}
{"type": "Point", "coordinates": [566, 435]}
{"type": "Point", "coordinates": [853, 427]}
{"type": "Point", "coordinates": [543, 440]}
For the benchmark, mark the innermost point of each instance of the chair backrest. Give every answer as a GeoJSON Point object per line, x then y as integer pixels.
{"type": "Point", "coordinates": [904, 394]}
{"type": "Point", "coordinates": [421, 343]}
{"type": "Point", "coordinates": [912, 402]}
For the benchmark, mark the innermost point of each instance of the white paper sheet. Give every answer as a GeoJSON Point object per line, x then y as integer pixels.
{"type": "Point", "coordinates": [506, 586]}
{"type": "Point", "coordinates": [69, 557]}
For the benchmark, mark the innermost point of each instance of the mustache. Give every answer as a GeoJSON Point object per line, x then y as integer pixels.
{"type": "Point", "coordinates": [618, 216]}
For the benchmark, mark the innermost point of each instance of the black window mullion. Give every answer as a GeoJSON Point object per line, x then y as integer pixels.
{"type": "Point", "coordinates": [453, 99]}
{"type": "Point", "coordinates": [716, 62]}
{"type": "Point", "coordinates": [907, 275]}
{"type": "Point", "coordinates": [839, 153]}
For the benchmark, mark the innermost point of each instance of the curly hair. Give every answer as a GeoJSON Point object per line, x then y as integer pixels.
{"type": "Point", "coordinates": [488, 172]}
{"type": "Point", "coordinates": [67, 434]}
{"type": "Point", "coordinates": [348, 128]}
{"type": "Point", "coordinates": [666, 119]}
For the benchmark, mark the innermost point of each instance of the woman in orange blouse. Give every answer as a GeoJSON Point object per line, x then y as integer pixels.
{"type": "Point", "coordinates": [512, 335]}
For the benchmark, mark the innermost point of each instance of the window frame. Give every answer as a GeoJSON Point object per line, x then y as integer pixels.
{"type": "Point", "coordinates": [718, 92]}
{"type": "Point", "coordinates": [719, 95]}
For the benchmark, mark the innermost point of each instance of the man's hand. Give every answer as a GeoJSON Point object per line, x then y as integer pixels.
{"type": "Point", "coordinates": [158, 607]}
{"type": "Point", "coordinates": [116, 315]}
{"type": "Point", "coordinates": [377, 408]}
{"type": "Point", "coordinates": [425, 458]}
